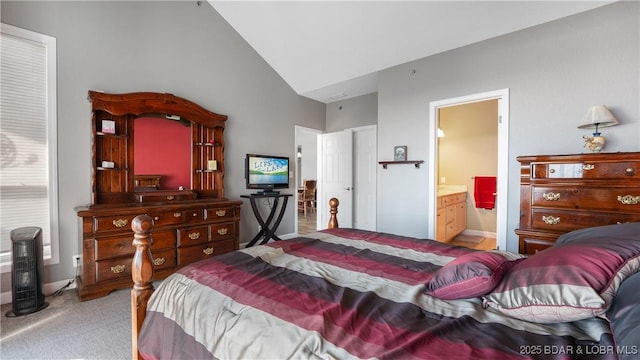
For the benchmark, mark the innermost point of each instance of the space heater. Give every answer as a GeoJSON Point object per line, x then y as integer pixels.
{"type": "Point", "coordinates": [27, 271]}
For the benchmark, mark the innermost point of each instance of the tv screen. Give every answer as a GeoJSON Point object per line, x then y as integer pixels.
{"type": "Point", "coordinates": [267, 172]}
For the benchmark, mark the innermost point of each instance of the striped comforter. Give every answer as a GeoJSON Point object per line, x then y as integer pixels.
{"type": "Point", "coordinates": [342, 294]}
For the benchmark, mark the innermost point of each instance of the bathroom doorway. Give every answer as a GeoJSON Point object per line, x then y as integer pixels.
{"type": "Point", "coordinates": [498, 100]}
{"type": "Point", "coordinates": [467, 153]}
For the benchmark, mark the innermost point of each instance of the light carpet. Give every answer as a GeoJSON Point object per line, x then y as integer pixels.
{"type": "Point", "coordinates": [70, 329]}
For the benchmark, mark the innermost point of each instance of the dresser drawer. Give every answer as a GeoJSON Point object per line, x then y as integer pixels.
{"type": "Point", "coordinates": [567, 220]}
{"type": "Point", "coordinates": [167, 218]}
{"type": "Point", "coordinates": [195, 215]}
{"type": "Point", "coordinates": [588, 198]}
{"type": "Point", "coordinates": [600, 170]}
{"type": "Point", "coordinates": [192, 236]}
{"type": "Point", "coordinates": [164, 259]}
{"type": "Point", "coordinates": [165, 196]}
{"type": "Point", "coordinates": [120, 268]}
{"type": "Point", "coordinates": [222, 231]}
{"type": "Point", "coordinates": [113, 246]}
{"type": "Point", "coordinates": [534, 246]}
{"type": "Point", "coordinates": [113, 223]}
{"type": "Point", "coordinates": [222, 213]}
{"type": "Point", "coordinates": [194, 253]}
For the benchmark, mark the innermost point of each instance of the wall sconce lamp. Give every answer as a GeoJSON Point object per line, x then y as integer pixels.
{"type": "Point", "coordinates": [299, 153]}
{"type": "Point", "coordinates": [440, 133]}
{"type": "Point", "coordinates": [597, 116]}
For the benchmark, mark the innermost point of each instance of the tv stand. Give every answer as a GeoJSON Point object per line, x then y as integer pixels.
{"type": "Point", "coordinates": [268, 227]}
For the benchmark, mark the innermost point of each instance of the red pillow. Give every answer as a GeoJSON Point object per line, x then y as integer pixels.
{"type": "Point", "coordinates": [471, 275]}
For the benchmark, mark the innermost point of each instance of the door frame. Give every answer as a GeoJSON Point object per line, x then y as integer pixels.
{"type": "Point", "coordinates": [502, 95]}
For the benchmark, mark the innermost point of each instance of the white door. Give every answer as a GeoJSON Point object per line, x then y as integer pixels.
{"type": "Point", "coordinates": [335, 177]}
{"type": "Point", "coordinates": [364, 177]}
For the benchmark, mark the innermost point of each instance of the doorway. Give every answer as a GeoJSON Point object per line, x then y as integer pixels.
{"type": "Point", "coordinates": [502, 118]}
{"type": "Point", "coordinates": [306, 168]}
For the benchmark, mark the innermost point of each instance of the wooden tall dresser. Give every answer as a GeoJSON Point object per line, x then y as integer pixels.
{"type": "Point", "coordinates": [191, 223]}
{"type": "Point", "coordinates": [561, 193]}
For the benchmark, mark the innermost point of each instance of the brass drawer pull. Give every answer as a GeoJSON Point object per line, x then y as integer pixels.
{"type": "Point", "coordinates": [223, 231]}
{"type": "Point", "coordinates": [156, 218]}
{"type": "Point", "coordinates": [629, 199]}
{"type": "Point", "coordinates": [551, 196]}
{"type": "Point", "coordinates": [120, 222]}
{"type": "Point", "coordinates": [208, 251]}
{"type": "Point", "coordinates": [551, 220]}
{"type": "Point", "coordinates": [588, 167]}
{"type": "Point", "coordinates": [158, 261]}
{"type": "Point", "coordinates": [629, 171]}
{"type": "Point", "coordinates": [170, 197]}
{"type": "Point", "coordinates": [118, 269]}
{"type": "Point", "coordinates": [194, 235]}
{"type": "Point", "coordinates": [221, 213]}
{"type": "Point", "coordinates": [195, 214]}
{"type": "Point", "coordinates": [177, 214]}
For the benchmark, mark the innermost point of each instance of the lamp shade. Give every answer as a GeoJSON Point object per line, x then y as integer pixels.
{"type": "Point", "coordinates": [598, 116]}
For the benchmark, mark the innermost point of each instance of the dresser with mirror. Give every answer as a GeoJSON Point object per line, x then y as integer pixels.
{"type": "Point", "coordinates": [161, 155]}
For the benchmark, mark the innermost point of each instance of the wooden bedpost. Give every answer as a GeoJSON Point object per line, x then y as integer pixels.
{"type": "Point", "coordinates": [142, 275]}
{"type": "Point", "coordinates": [333, 211]}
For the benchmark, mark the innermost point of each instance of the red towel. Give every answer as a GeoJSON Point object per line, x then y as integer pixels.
{"type": "Point", "coordinates": [485, 192]}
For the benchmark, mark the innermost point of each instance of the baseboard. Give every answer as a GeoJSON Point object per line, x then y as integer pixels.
{"type": "Point", "coordinates": [486, 234]}
{"type": "Point", "coordinates": [50, 288]}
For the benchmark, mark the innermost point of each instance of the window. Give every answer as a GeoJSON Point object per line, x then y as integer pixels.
{"type": "Point", "coordinates": [28, 148]}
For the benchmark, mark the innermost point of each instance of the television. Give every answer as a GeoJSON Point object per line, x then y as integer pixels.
{"type": "Point", "coordinates": [267, 172]}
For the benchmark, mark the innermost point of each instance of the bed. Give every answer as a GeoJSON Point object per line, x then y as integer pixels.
{"type": "Point", "coordinates": [354, 294]}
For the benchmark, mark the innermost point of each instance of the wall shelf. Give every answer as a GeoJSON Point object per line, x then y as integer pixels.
{"type": "Point", "coordinates": [415, 163]}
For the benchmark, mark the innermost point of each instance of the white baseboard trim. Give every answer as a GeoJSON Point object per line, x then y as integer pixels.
{"type": "Point", "coordinates": [7, 296]}
{"type": "Point", "coordinates": [486, 234]}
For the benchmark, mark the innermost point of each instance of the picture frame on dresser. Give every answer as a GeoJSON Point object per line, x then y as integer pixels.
{"type": "Point", "coordinates": [190, 224]}
{"type": "Point", "coordinates": [562, 193]}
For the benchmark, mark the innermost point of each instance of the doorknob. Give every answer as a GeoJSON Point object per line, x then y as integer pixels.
{"type": "Point", "coordinates": [348, 188]}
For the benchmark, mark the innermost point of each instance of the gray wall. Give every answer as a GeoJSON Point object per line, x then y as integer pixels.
{"type": "Point", "coordinates": [351, 113]}
{"type": "Point", "coordinates": [174, 47]}
{"type": "Point", "coordinates": [554, 71]}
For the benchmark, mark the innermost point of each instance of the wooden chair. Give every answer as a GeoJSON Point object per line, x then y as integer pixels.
{"type": "Point", "coordinates": [307, 197]}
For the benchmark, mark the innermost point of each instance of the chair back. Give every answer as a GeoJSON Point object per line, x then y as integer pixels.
{"type": "Point", "coordinates": [309, 189]}
{"type": "Point", "coordinates": [309, 184]}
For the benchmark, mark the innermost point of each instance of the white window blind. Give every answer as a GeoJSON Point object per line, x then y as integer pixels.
{"type": "Point", "coordinates": [28, 175]}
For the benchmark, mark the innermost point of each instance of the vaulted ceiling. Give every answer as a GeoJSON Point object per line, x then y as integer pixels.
{"type": "Point", "coordinates": [333, 50]}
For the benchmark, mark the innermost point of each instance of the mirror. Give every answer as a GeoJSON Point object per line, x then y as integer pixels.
{"type": "Point", "coordinates": [162, 154]}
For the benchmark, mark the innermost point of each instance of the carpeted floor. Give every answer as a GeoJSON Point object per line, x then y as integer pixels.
{"type": "Point", "coordinates": [70, 329]}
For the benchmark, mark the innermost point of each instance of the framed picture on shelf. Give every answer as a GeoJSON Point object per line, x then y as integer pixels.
{"type": "Point", "coordinates": [400, 153]}
{"type": "Point", "coordinates": [108, 126]}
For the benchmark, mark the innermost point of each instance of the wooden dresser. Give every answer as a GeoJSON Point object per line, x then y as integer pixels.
{"type": "Point", "coordinates": [182, 233]}
{"type": "Point", "coordinates": [561, 193]}
{"type": "Point", "coordinates": [191, 223]}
